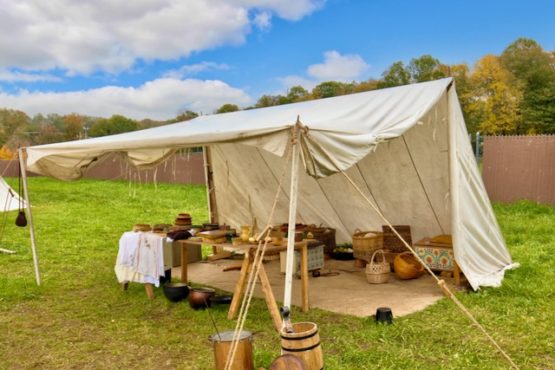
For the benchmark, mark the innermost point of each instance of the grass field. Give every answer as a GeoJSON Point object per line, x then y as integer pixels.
{"type": "Point", "coordinates": [80, 318]}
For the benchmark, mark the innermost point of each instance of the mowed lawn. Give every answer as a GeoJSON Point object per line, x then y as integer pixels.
{"type": "Point", "coordinates": [79, 318]}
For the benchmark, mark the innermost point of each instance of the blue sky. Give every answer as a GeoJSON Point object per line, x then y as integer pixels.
{"type": "Point", "coordinates": [156, 58]}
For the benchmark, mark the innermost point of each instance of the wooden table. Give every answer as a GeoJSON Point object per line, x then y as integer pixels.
{"type": "Point", "coordinates": [247, 265]}
{"type": "Point", "coordinates": [265, 283]}
{"type": "Point", "coordinates": [184, 244]}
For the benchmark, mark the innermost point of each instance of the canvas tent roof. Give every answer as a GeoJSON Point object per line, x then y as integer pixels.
{"type": "Point", "coordinates": [406, 146]}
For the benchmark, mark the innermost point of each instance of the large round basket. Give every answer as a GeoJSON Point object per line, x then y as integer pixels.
{"type": "Point", "coordinates": [407, 266]}
{"type": "Point", "coordinates": [377, 272]}
{"type": "Point", "coordinates": [365, 243]}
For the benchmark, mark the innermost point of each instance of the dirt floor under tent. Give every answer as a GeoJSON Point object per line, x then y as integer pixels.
{"type": "Point", "coordinates": [341, 288]}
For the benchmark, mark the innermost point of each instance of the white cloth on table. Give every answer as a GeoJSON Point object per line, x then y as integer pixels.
{"type": "Point", "coordinates": [140, 258]}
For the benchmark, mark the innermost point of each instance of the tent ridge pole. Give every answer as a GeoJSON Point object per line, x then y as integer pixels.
{"type": "Point", "coordinates": [22, 153]}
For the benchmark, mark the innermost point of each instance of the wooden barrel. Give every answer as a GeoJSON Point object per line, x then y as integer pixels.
{"type": "Point", "coordinates": [243, 357]}
{"type": "Point", "coordinates": [304, 343]}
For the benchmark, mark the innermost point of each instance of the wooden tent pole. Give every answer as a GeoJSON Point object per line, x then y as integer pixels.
{"type": "Point", "coordinates": [209, 181]}
{"type": "Point", "coordinates": [22, 155]}
{"type": "Point", "coordinates": [292, 216]}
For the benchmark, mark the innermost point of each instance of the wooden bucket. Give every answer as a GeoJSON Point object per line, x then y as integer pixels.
{"type": "Point", "coordinates": [304, 343]}
{"type": "Point", "coordinates": [243, 357]}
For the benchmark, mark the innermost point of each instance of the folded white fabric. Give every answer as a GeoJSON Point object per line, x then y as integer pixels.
{"type": "Point", "coordinates": [140, 258]}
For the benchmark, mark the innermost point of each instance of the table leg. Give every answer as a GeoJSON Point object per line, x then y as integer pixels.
{"type": "Point", "coordinates": [239, 288]}
{"type": "Point", "coordinates": [269, 297]}
{"type": "Point", "coordinates": [184, 258]}
{"type": "Point", "coordinates": [149, 291]}
{"type": "Point", "coordinates": [304, 277]}
{"type": "Point", "coordinates": [457, 274]}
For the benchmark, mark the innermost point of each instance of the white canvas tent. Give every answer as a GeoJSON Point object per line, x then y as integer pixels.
{"type": "Point", "coordinates": [406, 147]}
{"type": "Point", "coordinates": [9, 200]}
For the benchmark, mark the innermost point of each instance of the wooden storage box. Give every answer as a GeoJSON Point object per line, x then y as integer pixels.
{"type": "Point", "coordinates": [437, 254]}
{"type": "Point", "coordinates": [194, 252]}
{"type": "Point", "coordinates": [390, 240]}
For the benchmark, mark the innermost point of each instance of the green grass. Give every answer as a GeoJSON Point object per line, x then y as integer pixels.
{"type": "Point", "coordinates": [80, 318]}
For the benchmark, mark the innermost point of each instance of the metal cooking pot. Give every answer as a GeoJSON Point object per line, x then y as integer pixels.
{"type": "Point", "coordinates": [199, 298]}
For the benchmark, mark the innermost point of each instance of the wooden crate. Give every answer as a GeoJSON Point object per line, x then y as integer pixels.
{"type": "Point", "coordinates": [391, 242]}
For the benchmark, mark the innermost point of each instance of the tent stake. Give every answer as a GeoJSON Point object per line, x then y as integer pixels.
{"type": "Point", "coordinates": [22, 153]}
{"type": "Point", "coordinates": [292, 216]}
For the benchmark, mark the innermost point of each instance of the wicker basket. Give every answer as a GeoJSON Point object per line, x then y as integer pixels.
{"type": "Point", "coordinates": [377, 272]}
{"type": "Point", "coordinates": [364, 246]}
{"type": "Point", "coordinates": [326, 235]}
{"type": "Point", "coordinates": [142, 227]}
{"type": "Point", "coordinates": [392, 242]}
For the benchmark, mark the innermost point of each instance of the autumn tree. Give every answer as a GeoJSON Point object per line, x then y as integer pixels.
{"type": "Point", "coordinates": [533, 70]}
{"type": "Point", "coordinates": [367, 85]}
{"type": "Point", "coordinates": [12, 123]}
{"type": "Point", "coordinates": [332, 88]}
{"type": "Point", "coordinates": [425, 68]}
{"type": "Point", "coordinates": [184, 116]}
{"type": "Point", "coordinates": [395, 75]}
{"type": "Point", "coordinates": [113, 125]}
{"type": "Point", "coordinates": [271, 100]}
{"type": "Point", "coordinates": [73, 126]}
{"type": "Point", "coordinates": [495, 101]}
{"type": "Point", "coordinates": [297, 93]}
{"type": "Point", "coordinates": [461, 75]}
{"type": "Point", "coordinates": [49, 133]}
{"type": "Point", "coordinates": [227, 108]}
{"type": "Point", "coordinates": [6, 153]}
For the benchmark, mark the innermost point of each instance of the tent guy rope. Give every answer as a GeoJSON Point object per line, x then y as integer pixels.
{"type": "Point", "coordinates": [441, 283]}
{"type": "Point", "coordinates": [22, 153]}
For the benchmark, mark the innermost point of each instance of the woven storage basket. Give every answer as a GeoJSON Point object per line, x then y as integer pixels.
{"type": "Point", "coordinates": [364, 246]}
{"type": "Point", "coordinates": [377, 272]}
{"type": "Point", "coordinates": [392, 242]}
{"type": "Point", "coordinates": [326, 235]}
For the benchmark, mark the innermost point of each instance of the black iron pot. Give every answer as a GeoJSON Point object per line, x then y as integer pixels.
{"type": "Point", "coordinates": [176, 292]}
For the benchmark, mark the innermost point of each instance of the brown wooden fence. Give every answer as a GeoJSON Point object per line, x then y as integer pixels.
{"type": "Point", "coordinates": [180, 169]}
{"type": "Point", "coordinates": [520, 167]}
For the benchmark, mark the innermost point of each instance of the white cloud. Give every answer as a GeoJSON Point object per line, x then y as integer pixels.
{"type": "Point", "coordinates": [263, 20]}
{"type": "Point", "coordinates": [293, 80]}
{"type": "Point", "coordinates": [86, 36]}
{"type": "Point", "coordinates": [337, 67]}
{"type": "Point", "coordinates": [163, 98]}
{"type": "Point", "coordinates": [16, 76]}
{"type": "Point", "coordinates": [193, 69]}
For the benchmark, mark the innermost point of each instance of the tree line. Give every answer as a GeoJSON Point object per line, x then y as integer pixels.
{"type": "Point", "coordinates": [511, 93]}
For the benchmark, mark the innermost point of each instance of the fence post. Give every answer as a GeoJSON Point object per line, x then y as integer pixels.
{"type": "Point", "coordinates": [477, 146]}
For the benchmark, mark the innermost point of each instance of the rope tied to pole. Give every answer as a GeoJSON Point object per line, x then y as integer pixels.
{"type": "Point", "coordinates": [263, 239]}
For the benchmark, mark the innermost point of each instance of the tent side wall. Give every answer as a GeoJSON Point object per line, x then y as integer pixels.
{"type": "Point", "coordinates": [479, 247]}
{"type": "Point", "coordinates": [407, 177]}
